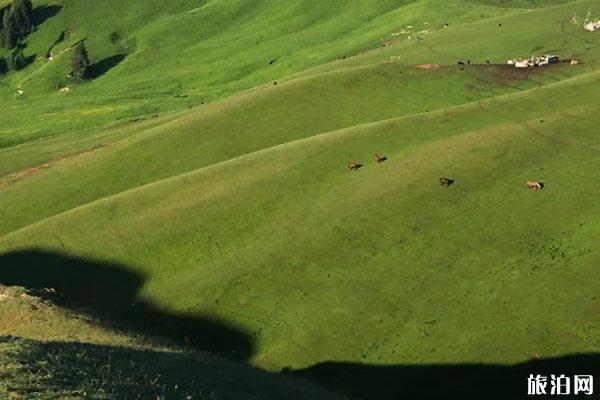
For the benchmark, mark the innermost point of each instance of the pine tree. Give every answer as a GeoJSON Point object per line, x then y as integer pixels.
{"type": "Point", "coordinates": [17, 23]}
{"type": "Point", "coordinates": [22, 13]}
{"type": "Point", "coordinates": [80, 62]}
{"type": "Point", "coordinates": [10, 34]}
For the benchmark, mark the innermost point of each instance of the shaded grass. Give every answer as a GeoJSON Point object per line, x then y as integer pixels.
{"type": "Point", "coordinates": [66, 370]}
{"type": "Point", "coordinates": [36, 315]}
{"type": "Point", "coordinates": [109, 292]}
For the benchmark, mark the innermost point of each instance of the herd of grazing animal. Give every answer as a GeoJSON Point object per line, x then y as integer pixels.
{"type": "Point", "coordinates": [354, 165]}
{"type": "Point", "coordinates": [444, 181]}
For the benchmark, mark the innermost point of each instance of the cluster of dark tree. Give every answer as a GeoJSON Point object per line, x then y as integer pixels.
{"type": "Point", "coordinates": [15, 24]}
{"type": "Point", "coordinates": [80, 62]}
{"type": "Point", "coordinates": [15, 61]}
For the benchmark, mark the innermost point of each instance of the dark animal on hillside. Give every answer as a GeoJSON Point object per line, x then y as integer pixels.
{"type": "Point", "coordinates": [353, 165]}
{"type": "Point", "coordinates": [446, 181]}
{"type": "Point", "coordinates": [535, 185]}
{"type": "Point", "coordinates": [379, 159]}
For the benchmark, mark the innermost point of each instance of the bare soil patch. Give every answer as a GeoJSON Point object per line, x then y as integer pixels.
{"type": "Point", "coordinates": [428, 66]}
{"type": "Point", "coordinates": [11, 179]}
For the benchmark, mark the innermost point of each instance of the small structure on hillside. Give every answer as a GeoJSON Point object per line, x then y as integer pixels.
{"type": "Point", "coordinates": [546, 60]}
{"type": "Point", "coordinates": [522, 63]}
{"type": "Point", "coordinates": [534, 61]}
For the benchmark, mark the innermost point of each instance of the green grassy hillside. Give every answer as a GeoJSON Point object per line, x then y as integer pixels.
{"type": "Point", "coordinates": [188, 52]}
{"type": "Point", "coordinates": [229, 239]}
{"type": "Point", "coordinates": [255, 121]}
{"type": "Point", "coordinates": [233, 227]}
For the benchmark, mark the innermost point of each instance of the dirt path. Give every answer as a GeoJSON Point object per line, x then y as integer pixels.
{"type": "Point", "coordinates": [16, 177]}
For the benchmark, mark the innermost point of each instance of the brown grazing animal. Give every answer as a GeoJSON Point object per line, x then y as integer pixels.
{"type": "Point", "coordinates": [535, 185]}
{"type": "Point", "coordinates": [353, 165]}
{"type": "Point", "coordinates": [379, 159]}
{"type": "Point", "coordinates": [446, 181]}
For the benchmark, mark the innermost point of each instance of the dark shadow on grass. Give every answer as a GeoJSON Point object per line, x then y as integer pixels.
{"type": "Point", "coordinates": [100, 68]}
{"type": "Point", "coordinates": [460, 381]}
{"type": "Point", "coordinates": [124, 373]}
{"type": "Point", "coordinates": [108, 372]}
{"type": "Point", "coordinates": [28, 60]}
{"type": "Point", "coordinates": [43, 13]}
{"type": "Point", "coordinates": [110, 292]}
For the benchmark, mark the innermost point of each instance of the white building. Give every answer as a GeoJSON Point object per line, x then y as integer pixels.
{"type": "Point", "coordinates": [523, 64]}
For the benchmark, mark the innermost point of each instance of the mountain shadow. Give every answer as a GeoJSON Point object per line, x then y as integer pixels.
{"type": "Point", "coordinates": [100, 68]}
{"type": "Point", "coordinates": [447, 381]}
{"type": "Point", "coordinates": [79, 370]}
{"type": "Point", "coordinates": [110, 292]}
{"type": "Point", "coordinates": [43, 13]}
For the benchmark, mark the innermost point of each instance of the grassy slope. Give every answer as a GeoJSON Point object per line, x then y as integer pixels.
{"type": "Point", "coordinates": [259, 119]}
{"type": "Point", "coordinates": [250, 123]}
{"type": "Point", "coordinates": [183, 53]}
{"type": "Point", "coordinates": [37, 317]}
{"type": "Point", "coordinates": [384, 246]}
{"type": "Point", "coordinates": [265, 239]}
{"type": "Point", "coordinates": [69, 356]}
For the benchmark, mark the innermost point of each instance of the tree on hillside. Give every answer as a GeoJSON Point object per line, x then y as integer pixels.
{"type": "Point", "coordinates": [22, 13]}
{"type": "Point", "coordinates": [17, 22]}
{"type": "Point", "coordinates": [9, 36]}
{"type": "Point", "coordinates": [80, 62]}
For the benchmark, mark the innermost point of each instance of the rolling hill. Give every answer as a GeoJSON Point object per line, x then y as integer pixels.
{"type": "Point", "coordinates": [194, 196]}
